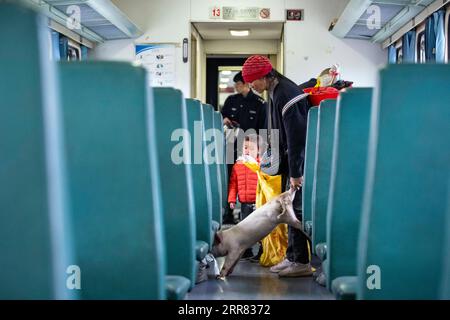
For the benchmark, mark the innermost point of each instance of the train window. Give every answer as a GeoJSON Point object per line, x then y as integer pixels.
{"type": "Point", "coordinates": [73, 54]}
{"type": "Point", "coordinates": [399, 55]}
{"type": "Point", "coordinates": [448, 33]}
{"type": "Point", "coordinates": [74, 51]}
{"type": "Point", "coordinates": [398, 45]}
{"type": "Point", "coordinates": [421, 47]}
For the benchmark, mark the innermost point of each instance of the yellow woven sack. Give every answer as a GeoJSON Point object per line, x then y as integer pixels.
{"type": "Point", "coordinates": [274, 244]}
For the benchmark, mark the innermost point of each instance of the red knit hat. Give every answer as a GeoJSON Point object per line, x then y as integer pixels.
{"type": "Point", "coordinates": [256, 67]}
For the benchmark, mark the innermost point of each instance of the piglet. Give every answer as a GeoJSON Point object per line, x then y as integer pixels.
{"type": "Point", "coordinates": [234, 241]}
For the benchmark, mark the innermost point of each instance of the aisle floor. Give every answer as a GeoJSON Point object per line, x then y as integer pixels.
{"type": "Point", "coordinates": [250, 281]}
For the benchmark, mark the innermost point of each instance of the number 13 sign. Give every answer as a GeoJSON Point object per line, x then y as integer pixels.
{"type": "Point", "coordinates": [215, 13]}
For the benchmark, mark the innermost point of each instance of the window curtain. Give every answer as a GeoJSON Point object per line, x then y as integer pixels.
{"type": "Point", "coordinates": [409, 47]}
{"type": "Point", "coordinates": [55, 46]}
{"type": "Point", "coordinates": [63, 47]}
{"type": "Point", "coordinates": [392, 54]}
{"type": "Point", "coordinates": [435, 37]}
{"type": "Point", "coordinates": [84, 52]}
{"type": "Point", "coordinates": [440, 36]}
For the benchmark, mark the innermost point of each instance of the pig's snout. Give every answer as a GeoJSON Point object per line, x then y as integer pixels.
{"type": "Point", "coordinates": [216, 251]}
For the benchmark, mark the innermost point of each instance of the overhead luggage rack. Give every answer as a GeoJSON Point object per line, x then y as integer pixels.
{"type": "Point", "coordinates": [357, 19]}
{"type": "Point", "coordinates": [100, 20]}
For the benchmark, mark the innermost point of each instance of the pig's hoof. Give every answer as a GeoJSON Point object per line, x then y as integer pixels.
{"type": "Point", "coordinates": [219, 277]}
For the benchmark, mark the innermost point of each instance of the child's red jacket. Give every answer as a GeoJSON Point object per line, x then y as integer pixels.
{"type": "Point", "coordinates": [243, 182]}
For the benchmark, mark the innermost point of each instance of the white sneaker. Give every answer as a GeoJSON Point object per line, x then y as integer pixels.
{"type": "Point", "coordinates": [296, 270]}
{"type": "Point", "coordinates": [281, 266]}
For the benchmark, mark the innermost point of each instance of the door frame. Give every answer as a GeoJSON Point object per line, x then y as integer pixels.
{"type": "Point", "coordinates": [212, 75]}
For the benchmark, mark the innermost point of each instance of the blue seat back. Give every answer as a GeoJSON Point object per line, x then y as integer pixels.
{"type": "Point", "coordinates": [224, 167]}
{"type": "Point", "coordinates": [209, 156]}
{"type": "Point", "coordinates": [322, 169]}
{"type": "Point", "coordinates": [403, 225]}
{"type": "Point", "coordinates": [351, 140]}
{"type": "Point", "coordinates": [176, 182]}
{"type": "Point", "coordinates": [445, 277]}
{"type": "Point", "coordinates": [310, 156]}
{"type": "Point", "coordinates": [220, 159]}
{"type": "Point", "coordinates": [114, 183]}
{"type": "Point", "coordinates": [203, 212]}
{"type": "Point", "coordinates": [34, 232]}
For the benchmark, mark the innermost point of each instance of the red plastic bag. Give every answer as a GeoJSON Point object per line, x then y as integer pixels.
{"type": "Point", "coordinates": [316, 95]}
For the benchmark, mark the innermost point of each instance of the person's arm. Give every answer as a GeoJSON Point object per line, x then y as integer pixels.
{"type": "Point", "coordinates": [232, 187]}
{"type": "Point", "coordinates": [226, 109]}
{"type": "Point", "coordinates": [295, 126]}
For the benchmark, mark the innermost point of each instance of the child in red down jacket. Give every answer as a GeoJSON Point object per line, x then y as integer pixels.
{"type": "Point", "coordinates": [243, 182]}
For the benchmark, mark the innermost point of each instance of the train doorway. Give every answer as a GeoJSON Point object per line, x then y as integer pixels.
{"type": "Point", "coordinates": [222, 55]}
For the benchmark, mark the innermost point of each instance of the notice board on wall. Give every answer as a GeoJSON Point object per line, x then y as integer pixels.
{"type": "Point", "coordinates": [159, 60]}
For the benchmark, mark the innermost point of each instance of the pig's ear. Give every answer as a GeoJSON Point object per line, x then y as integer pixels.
{"type": "Point", "coordinates": [217, 238]}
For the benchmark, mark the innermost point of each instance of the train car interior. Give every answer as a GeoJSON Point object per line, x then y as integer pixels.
{"type": "Point", "coordinates": [224, 150]}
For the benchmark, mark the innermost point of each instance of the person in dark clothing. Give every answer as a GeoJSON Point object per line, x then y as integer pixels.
{"type": "Point", "coordinates": [289, 114]}
{"type": "Point", "coordinates": [244, 110]}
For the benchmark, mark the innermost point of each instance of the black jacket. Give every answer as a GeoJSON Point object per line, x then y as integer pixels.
{"type": "Point", "coordinates": [289, 114]}
{"type": "Point", "coordinates": [249, 112]}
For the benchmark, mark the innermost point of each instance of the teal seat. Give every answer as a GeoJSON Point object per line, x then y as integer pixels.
{"type": "Point", "coordinates": [200, 183]}
{"type": "Point", "coordinates": [218, 156]}
{"type": "Point", "coordinates": [308, 227]}
{"type": "Point", "coordinates": [218, 125]}
{"type": "Point", "coordinates": [209, 157]}
{"type": "Point", "coordinates": [325, 266]}
{"type": "Point", "coordinates": [201, 249]}
{"type": "Point", "coordinates": [405, 211]}
{"type": "Point", "coordinates": [34, 232]}
{"type": "Point", "coordinates": [322, 278]}
{"type": "Point", "coordinates": [114, 184]}
{"type": "Point", "coordinates": [322, 170]}
{"type": "Point", "coordinates": [177, 287]}
{"type": "Point", "coordinates": [215, 226]}
{"type": "Point", "coordinates": [321, 250]}
{"type": "Point", "coordinates": [351, 140]}
{"type": "Point", "coordinates": [308, 175]}
{"type": "Point", "coordinates": [176, 183]}
{"type": "Point", "coordinates": [445, 278]}
{"type": "Point", "coordinates": [344, 288]}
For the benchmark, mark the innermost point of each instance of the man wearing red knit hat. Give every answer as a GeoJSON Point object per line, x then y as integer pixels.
{"type": "Point", "coordinates": [288, 110]}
